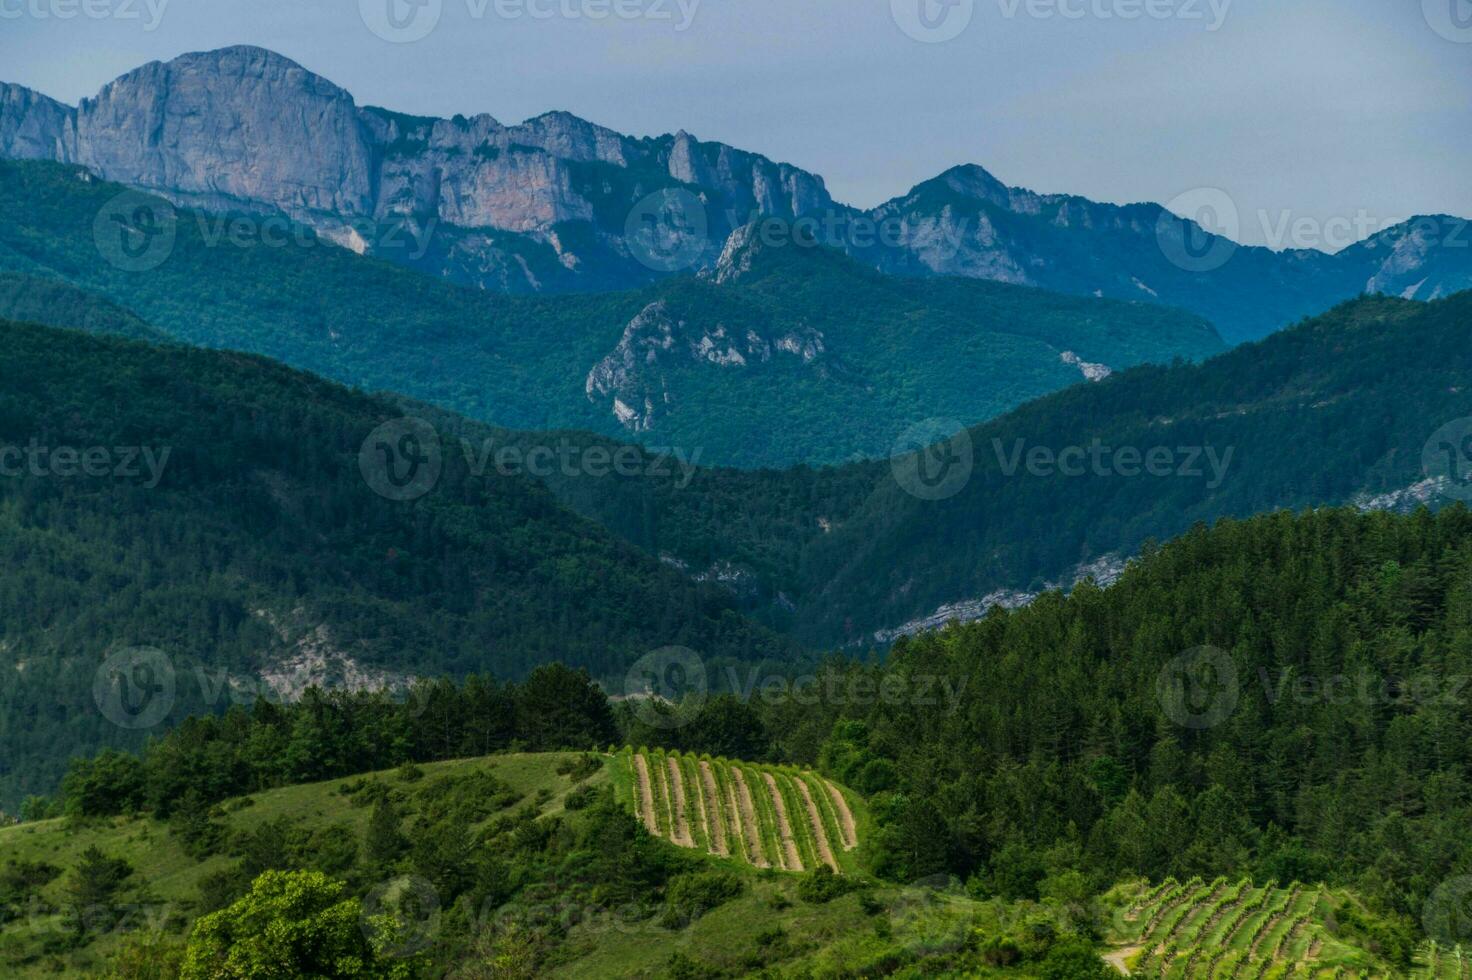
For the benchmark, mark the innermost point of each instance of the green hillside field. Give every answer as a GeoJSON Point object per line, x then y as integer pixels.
{"type": "Point", "coordinates": [715, 916]}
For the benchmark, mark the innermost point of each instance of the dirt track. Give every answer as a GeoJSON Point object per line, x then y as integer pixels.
{"type": "Point", "coordinates": [680, 829]}
{"type": "Point", "coordinates": [791, 860]}
{"type": "Point", "coordinates": [751, 828]}
{"type": "Point", "coordinates": [711, 797]}
{"type": "Point", "coordinates": [646, 796]}
{"type": "Point", "coordinates": [820, 834]}
{"type": "Point", "coordinates": [845, 817]}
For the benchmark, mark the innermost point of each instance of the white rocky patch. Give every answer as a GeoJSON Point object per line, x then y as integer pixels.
{"type": "Point", "coordinates": [312, 658]}
{"type": "Point", "coordinates": [1105, 571]}
{"type": "Point", "coordinates": [1091, 372]}
{"type": "Point", "coordinates": [1404, 499]}
{"type": "Point", "coordinates": [643, 367]}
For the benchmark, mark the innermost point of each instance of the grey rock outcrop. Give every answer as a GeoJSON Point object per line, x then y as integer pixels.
{"type": "Point", "coordinates": [33, 127]}
{"type": "Point", "coordinates": [544, 205]}
{"type": "Point", "coordinates": [637, 380]}
{"type": "Point", "coordinates": [243, 128]}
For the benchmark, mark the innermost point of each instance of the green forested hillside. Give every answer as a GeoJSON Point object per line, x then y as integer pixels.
{"type": "Point", "coordinates": [1249, 756]}
{"type": "Point", "coordinates": [1321, 413]}
{"type": "Point", "coordinates": [33, 299]}
{"type": "Point", "coordinates": [217, 507]}
{"type": "Point", "coordinates": [1285, 697]}
{"type": "Point", "coordinates": [1316, 414]}
{"type": "Point", "coordinates": [893, 352]}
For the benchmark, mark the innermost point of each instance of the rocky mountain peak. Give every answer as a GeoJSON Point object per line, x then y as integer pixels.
{"type": "Point", "coordinates": [237, 125]}
{"type": "Point", "coordinates": [245, 128]}
{"type": "Point", "coordinates": [738, 256]}
{"type": "Point", "coordinates": [975, 181]}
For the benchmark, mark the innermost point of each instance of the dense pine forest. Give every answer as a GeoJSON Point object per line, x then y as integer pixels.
{"type": "Point", "coordinates": [1283, 698]}
{"type": "Point", "coordinates": [228, 524]}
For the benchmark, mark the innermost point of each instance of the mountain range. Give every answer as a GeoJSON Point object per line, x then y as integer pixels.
{"type": "Point", "coordinates": [785, 354]}
{"type": "Point", "coordinates": [558, 204]}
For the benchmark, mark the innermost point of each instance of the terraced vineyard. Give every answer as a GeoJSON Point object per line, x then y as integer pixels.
{"type": "Point", "coordinates": [1446, 962]}
{"type": "Point", "coordinates": [1243, 931]}
{"type": "Point", "coordinates": [777, 817]}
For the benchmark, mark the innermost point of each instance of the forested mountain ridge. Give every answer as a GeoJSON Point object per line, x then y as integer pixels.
{"type": "Point", "coordinates": [805, 356]}
{"type": "Point", "coordinates": [1340, 408]}
{"type": "Point", "coordinates": [1336, 409]}
{"type": "Point", "coordinates": [53, 303]}
{"type": "Point", "coordinates": [236, 516]}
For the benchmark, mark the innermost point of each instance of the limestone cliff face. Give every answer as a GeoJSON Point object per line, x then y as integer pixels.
{"type": "Point", "coordinates": [638, 379]}
{"type": "Point", "coordinates": [240, 124]}
{"type": "Point", "coordinates": [244, 128]}
{"type": "Point", "coordinates": [546, 205]}
{"type": "Point", "coordinates": [33, 127]}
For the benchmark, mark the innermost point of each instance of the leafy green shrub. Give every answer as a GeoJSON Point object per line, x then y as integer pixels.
{"type": "Point", "coordinates": [302, 918]}
{"type": "Point", "coordinates": [580, 768]}
{"type": "Point", "coordinates": [580, 797]}
{"type": "Point", "coordinates": [1075, 960]}
{"type": "Point", "coordinates": [1000, 951]}
{"type": "Point", "coordinates": [20, 882]}
{"type": "Point", "coordinates": [691, 895]}
{"type": "Point", "coordinates": [468, 797]}
{"type": "Point", "coordinates": [821, 885]}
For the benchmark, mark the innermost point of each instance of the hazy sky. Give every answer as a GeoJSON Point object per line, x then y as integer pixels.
{"type": "Point", "coordinates": [1325, 113]}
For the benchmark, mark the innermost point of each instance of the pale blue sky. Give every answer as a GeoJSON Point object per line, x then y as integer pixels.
{"type": "Point", "coordinates": [1355, 111]}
